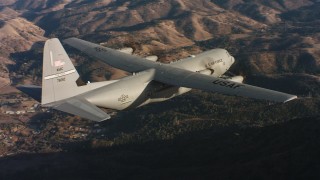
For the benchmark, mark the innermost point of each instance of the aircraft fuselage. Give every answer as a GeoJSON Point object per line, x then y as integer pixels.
{"type": "Point", "coordinates": [139, 89]}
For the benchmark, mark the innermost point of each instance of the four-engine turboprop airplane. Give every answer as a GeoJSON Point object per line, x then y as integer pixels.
{"type": "Point", "coordinates": [151, 81]}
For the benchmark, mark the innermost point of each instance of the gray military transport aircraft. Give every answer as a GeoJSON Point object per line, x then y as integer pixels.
{"type": "Point", "coordinates": [151, 81]}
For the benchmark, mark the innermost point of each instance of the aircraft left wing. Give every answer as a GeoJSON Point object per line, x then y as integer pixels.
{"type": "Point", "coordinates": [183, 78]}
{"type": "Point", "coordinates": [115, 58]}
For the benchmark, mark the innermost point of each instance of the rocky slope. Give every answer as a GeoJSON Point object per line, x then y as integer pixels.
{"type": "Point", "coordinates": [266, 11]}
{"type": "Point", "coordinates": [16, 35]}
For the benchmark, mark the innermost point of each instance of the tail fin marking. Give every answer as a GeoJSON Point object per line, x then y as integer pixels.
{"type": "Point", "coordinates": [59, 74]}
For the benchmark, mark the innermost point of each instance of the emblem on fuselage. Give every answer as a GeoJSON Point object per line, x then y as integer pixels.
{"type": "Point", "coordinates": [123, 98]}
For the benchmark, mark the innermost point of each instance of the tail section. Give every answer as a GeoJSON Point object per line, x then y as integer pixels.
{"type": "Point", "coordinates": [59, 74]}
{"type": "Point", "coordinates": [59, 88]}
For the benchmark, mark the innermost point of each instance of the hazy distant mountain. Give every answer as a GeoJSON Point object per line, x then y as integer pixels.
{"type": "Point", "coordinates": [169, 20]}
{"type": "Point", "coordinates": [281, 5]}
{"type": "Point", "coordinates": [7, 2]}
{"type": "Point", "coordinates": [38, 4]}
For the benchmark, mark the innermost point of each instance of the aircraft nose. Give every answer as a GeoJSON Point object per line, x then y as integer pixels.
{"type": "Point", "coordinates": [232, 60]}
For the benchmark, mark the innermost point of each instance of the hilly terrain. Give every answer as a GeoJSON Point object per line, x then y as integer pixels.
{"type": "Point", "coordinates": [199, 135]}
{"type": "Point", "coordinates": [268, 41]}
{"type": "Point", "coordinates": [17, 35]}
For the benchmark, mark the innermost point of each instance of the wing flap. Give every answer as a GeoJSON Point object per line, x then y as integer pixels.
{"type": "Point", "coordinates": [82, 108]}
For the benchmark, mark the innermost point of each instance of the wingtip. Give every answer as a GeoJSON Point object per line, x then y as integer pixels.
{"type": "Point", "coordinates": [290, 99]}
{"type": "Point", "coordinates": [106, 118]}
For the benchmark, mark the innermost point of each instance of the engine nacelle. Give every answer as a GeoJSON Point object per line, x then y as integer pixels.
{"type": "Point", "coordinates": [207, 72]}
{"type": "Point", "coordinates": [238, 79]}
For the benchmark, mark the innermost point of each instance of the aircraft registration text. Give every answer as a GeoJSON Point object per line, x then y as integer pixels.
{"type": "Point", "coordinates": [227, 84]}
{"type": "Point", "coordinates": [100, 49]}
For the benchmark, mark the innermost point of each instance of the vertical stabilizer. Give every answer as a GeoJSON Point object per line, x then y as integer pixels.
{"type": "Point", "coordinates": [59, 75]}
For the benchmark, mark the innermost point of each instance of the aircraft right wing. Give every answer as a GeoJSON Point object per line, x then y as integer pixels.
{"type": "Point", "coordinates": [183, 78]}
{"type": "Point", "coordinates": [115, 58]}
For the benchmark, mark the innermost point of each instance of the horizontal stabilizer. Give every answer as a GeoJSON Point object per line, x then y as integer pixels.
{"type": "Point", "coordinates": [32, 90]}
{"type": "Point", "coordinates": [82, 108]}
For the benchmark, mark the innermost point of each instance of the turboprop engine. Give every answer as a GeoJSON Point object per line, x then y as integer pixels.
{"type": "Point", "coordinates": [238, 79]}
